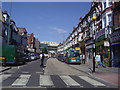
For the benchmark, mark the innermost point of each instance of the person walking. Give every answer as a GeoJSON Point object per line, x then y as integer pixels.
{"type": "Point", "coordinates": [102, 60]}
{"type": "Point", "coordinates": [98, 60]}
{"type": "Point", "coordinates": [83, 58]}
{"type": "Point", "coordinates": [42, 60]}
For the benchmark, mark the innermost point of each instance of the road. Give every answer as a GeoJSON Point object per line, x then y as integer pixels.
{"type": "Point", "coordinates": [57, 75]}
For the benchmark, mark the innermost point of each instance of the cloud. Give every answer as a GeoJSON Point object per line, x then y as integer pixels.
{"type": "Point", "coordinates": [59, 30]}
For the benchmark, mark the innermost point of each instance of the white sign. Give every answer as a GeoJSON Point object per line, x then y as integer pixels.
{"type": "Point", "coordinates": [106, 43]}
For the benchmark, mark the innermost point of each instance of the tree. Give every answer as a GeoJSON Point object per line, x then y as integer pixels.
{"type": "Point", "coordinates": [44, 50]}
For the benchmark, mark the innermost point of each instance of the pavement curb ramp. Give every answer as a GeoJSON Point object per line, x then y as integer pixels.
{"type": "Point", "coordinates": [6, 68]}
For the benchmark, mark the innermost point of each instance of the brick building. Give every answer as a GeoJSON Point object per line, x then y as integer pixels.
{"type": "Point", "coordinates": [31, 43]}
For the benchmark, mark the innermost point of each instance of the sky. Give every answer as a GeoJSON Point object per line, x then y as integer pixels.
{"type": "Point", "coordinates": [49, 21]}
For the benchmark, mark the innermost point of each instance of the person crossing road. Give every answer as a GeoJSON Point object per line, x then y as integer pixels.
{"type": "Point", "coordinates": [42, 60]}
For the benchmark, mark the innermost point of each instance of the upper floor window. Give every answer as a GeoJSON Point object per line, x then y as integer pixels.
{"type": "Point", "coordinates": [109, 2]}
{"type": "Point", "coordinates": [109, 19]}
{"type": "Point", "coordinates": [104, 22]}
{"type": "Point", "coordinates": [104, 5]}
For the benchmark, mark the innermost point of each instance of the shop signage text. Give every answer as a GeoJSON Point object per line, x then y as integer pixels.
{"type": "Point", "coordinates": [115, 37]}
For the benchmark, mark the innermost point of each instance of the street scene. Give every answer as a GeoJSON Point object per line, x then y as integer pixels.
{"type": "Point", "coordinates": [48, 45]}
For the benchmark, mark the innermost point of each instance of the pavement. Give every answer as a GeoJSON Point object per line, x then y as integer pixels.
{"type": "Point", "coordinates": [3, 68]}
{"type": "Point", "coordinates": [108, 74]}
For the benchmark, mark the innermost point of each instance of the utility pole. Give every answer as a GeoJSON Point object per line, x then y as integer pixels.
{"type": "Point", "coordinates": [94, 18]}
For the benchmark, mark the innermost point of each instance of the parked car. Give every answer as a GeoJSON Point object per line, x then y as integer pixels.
{"type": "Point", "coordinates": [27, 58]}
{"type": "Point", "coordinates": [37, 56]}
{"type": "Point", "coordinates": [33, 57]}
{"type": "Point", "coordinates": [61, 57]}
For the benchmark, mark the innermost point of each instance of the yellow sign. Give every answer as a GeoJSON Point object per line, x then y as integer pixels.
{"type": "Point", "coordinates": [77, 48]}
{"type": "Point", "coordinates": [72, 58]}
{"type": "Point", "coordinates": [2, 58]}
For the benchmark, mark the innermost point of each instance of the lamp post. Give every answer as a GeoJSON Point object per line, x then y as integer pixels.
{"type": "Point", "coordinates": [94, 18]}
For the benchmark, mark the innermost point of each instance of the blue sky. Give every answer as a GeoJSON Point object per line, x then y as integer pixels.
{"type": "Point", "coordinates": [49, 21]}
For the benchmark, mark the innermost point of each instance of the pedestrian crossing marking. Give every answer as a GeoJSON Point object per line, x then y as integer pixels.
{"type": "Point", "coordinates": [69, 81]}
{"type": "Point", "coordinates": [21, 81]}
{"type": "Point", "coordinates": [4, 76]}
{"type": "Point", "coordinates": [45, 80]}
{"type": "Point", "coordinates": [91, 81]}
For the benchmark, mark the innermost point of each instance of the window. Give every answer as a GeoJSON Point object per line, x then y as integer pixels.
{"type": "Point", "coordinates": [109, 2]}
{"type": "Point", "coordinates": [109, 19]}
{"type": "Point", "coordinates": [104, 5]}
{"type": "Point", "coordinates": [104, 22]}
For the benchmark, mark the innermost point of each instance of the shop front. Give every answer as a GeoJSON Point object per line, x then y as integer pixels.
{"type": "Point", "coordinates": [115, 47]}
{"type": "Point", "coordinates": [103, 46]}
{"type": "Point", "coordinates": [89, 50]}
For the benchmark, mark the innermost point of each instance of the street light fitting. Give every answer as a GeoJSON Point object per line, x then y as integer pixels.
{"type": "Point", "coordinates": [94, 17]}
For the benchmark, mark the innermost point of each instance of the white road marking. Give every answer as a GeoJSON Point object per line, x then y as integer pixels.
{"type": "Point", "coordinates": [18, 67]}
{"type": "Point", "coordinates": [4, 76]}
{"type": "Point", "coordinates": [92, 81]}
{"type": "Point", "coordinates": [22, 80]}
{"type": "Point", "coordinates": [45, 80]}
{"type": "Point", "coordinates": [39, 72]}
{"type": "Point", "coordinates": [25, 72]}
{"type": "Point", "coordinates": [69, 81]}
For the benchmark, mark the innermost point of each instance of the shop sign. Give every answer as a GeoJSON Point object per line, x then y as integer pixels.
{"type": "Point", "coordinates": [77, 48]}
{"type": "Point", "coordinates": [100, 35]}
{"type": "Point", "coordinates": [106, 43]}
{"type": "Point", "coordinates": [89, 42]}
{"type": "Point", "coordinates": [89, 46]}
{"type": "Point", "coordinates": [115, 37]}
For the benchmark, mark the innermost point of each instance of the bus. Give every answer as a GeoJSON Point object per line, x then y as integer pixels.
{"type": "Point", "coordinates": [73, 56]}
{"type": "Point", "coordinates": [11, 54]}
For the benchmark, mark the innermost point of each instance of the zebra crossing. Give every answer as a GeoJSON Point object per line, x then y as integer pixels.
{"type": "Point", "coordinates": [47, 81]}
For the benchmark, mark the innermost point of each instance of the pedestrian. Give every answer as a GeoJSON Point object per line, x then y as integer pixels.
{"type": "Point", "coordinates": [42, 60]}
{"type": "Point", "coordinates": [102, 59]}
{"type": "Point", "coordinates": [98, 60]}
{"type": "Point", "coordinates": [83, 59]}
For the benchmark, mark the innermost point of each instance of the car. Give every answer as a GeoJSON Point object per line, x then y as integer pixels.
{"type": "Point", "coordinates": [27, 58]}
{"type": "Point", "coordinates": [61, 57]}
{"type": "Point", "coordinates": [37, 56]}
{"type": "Point", "coordinates": [33, 57]}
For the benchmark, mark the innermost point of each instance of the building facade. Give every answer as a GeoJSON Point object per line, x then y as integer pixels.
{"type": "Point", "coordinates": [115, 36]}
{"type": "Point", "coordinates": [51, 47]}
{"type": "Point", "coordinates": [31, 43]}
{"type": "Point", "coordinates": [94, 31]}
{"type": "Point", "coordinates": [37, 46]}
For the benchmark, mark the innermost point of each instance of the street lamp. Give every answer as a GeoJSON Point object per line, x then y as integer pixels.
{"type": "Point", "coordinates": [94, 18]}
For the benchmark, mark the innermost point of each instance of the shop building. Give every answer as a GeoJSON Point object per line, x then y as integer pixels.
{"type": "Point", "coordinates": [115, 36]}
